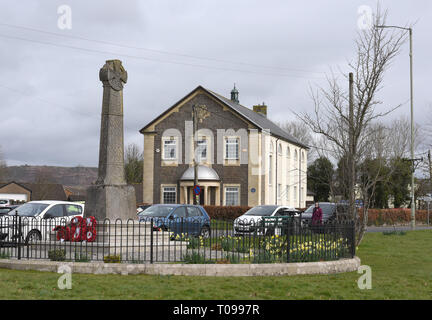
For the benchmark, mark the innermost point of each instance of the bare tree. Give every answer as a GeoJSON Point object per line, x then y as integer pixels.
{"type": "Point", "coordinates": [303, 134]}
{"type": "Point", "coordinates": [345, 120]}
{"type": "Point", "coordinates": [133, 164]}
{"type": "Point", "coordinates": [2, 166]}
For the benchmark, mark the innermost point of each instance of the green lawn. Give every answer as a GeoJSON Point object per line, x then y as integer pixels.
{"type": "Point", "coordinates": [401, 269]}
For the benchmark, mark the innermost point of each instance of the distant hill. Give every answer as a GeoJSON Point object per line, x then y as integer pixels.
{"type": "Point", "coordinates": [69, 176]}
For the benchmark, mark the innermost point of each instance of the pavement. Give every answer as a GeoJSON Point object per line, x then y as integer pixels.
{"type": "Point", "coordinates": [397, 228]}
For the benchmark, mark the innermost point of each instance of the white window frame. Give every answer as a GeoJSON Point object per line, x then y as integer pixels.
{"type": "Point", "coordinates": [199, 152]}
{"type": "Point", "coordinates": [270, 171]}
{"type": "Point", "coordinates": [231, 191]}
{"type": "Point", "coordinates": [171, 191]}
{"type": "Point", "coordinates": [237, 139]}
{"type": "Point", "coordinates": [175, 150]}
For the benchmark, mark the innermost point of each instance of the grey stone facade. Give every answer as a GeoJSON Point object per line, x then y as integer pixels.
{"type": "Point", "coordinates": [218, 119]}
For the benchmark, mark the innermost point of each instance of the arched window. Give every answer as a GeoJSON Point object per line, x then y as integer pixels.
{"type": "Point", "coordinates": [280, 149]}
{"type": "Point", "coordinates": [288, 153]}
{"type": "Point", "coordinates": [302, 157]}
{"type": "Point", "coordinates": [295, 156]}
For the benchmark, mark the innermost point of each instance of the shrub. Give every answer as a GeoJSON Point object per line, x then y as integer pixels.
{"type": "Point", "coordinates": [113, 258]}
{"type": "Point", "coordinates": [225, 212]}
{"type": "Point", "coordinates": [394, 232]}
{"type": "Point", "coordinates": [195, 257]}
{"type": "Point", "coordinates": [4, 255]}
{"type": "Point", "coordinates": [57, 254]}
{"type": "Point", "coordinates": [377, 217]}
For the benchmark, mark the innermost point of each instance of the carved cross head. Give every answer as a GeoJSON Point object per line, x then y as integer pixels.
{"type": "Point", "coordinates": [114, 74]}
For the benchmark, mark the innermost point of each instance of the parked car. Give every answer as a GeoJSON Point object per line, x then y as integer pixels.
{"type": "Point", "coordinates": [252, 220]}
{"type": "Point", "coordinates": [141, 208]}
{"type": "Point", "coordinates": [330, 212]}
{"type": "Point", "coordinates": [38, 219]}
{"type": "Point", "coordinates": [178, 218]}
{"type": "Point", "coordinates": [4, 203]}
{"type": "Point", "coordinates": [5, 210]}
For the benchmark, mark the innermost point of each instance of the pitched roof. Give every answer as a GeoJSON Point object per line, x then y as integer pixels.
{"type": "Point", "coordinates": [262, 122]}
{"type": "Point", "coordinates": [46, 191]}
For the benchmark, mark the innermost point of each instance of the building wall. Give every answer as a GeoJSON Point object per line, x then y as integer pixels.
{"type": "Point", "coordinates": [168, 173]}
{"type": "Point", "coordinates": [249, 177]}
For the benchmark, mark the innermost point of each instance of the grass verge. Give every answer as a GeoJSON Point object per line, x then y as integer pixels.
{"type": "Point", "coordinates": [401, 269]}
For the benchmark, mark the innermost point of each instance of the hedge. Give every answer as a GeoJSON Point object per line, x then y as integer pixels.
{"type": "Point", "coordinates": [376, 217]}
{"type": "Point", "coordinates": [225, 212]}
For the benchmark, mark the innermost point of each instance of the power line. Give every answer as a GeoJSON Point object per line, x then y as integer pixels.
{"type": "Point", "coordinates": [157, 51]}
{"type": "Point", "coordinates": [155, 60]}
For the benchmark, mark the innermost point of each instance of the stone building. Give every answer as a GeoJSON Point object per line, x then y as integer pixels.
{"type": "Point", "coordinates": [244, 158]}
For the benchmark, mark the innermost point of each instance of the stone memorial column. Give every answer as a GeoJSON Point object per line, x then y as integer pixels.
{"type": "Point", "coordinates": [111, 197]}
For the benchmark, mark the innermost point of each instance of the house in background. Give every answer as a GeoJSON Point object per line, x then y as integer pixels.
{"type": "Point", "coordinates": [23, 192]}
{"type": "Point", "coordinates": [244, 158]}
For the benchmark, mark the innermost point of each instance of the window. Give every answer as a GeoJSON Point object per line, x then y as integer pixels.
{"type": "Point", "coordinates": [180, 212]}
{"type": "Point", "coordinates": [201, 150]}
{"type": "Point", "coordinates": [193, 212]}
{"type": "Point", "coordinates": [232, 148]}
{"type": "Point", "coordinates": [287, 192]}
{"type": "Point", "coordinates": [295, 157]}
{"type": "Point", "coordinates": [170, 150]}
{"type": "Point", "coordinates": [55, 211]}
{"type": "Point", "coordinates": [270, 169]}
{"type": "Point", "coordinates": [280, 149]}
{"type": "Point", "coordinates": [295, 194]}
{"type": "Point", "coordinates": [169, 195]}
{"type": "Point", "coordinates": [302, 156]}
{"type": "Point", "coordinates": [232, 196]}
{"type": "Point", "coordinates": [288, 153]}
{"type": "Point", "coordinates": [279, 189]}
{"type": "Point", "coordinates": [73, 210]}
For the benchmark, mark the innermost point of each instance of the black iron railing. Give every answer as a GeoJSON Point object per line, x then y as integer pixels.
{"type": "Point", "coordinates": [180, 240]}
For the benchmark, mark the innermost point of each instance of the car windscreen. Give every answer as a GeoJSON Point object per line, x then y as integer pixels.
{"type": "Point", "coordinates": [156, 211]}
{"type": "Point", "coordinates": [261, 211]}
{"type": "Point", "coordinates": [3, 201]}
{"type": "Point", "coordinates": [4, 210]}
{"type": "Point", "coordinates": [29, 209]}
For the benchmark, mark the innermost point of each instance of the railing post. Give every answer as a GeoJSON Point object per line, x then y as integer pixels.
{"type": "Point", "coordinates": [288, 235]}
{"type": "Point", "coordinates": [353, 235]}
{"type": "Point", "coordinates": [151, 240]}
{"type": "Point", "coordinates": [18, 234]}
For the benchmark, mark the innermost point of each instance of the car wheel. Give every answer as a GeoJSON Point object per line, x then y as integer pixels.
{"type": "Point", "coordinates": [33, 236]}
{"type": "Point", "coordinates": [205, 232]}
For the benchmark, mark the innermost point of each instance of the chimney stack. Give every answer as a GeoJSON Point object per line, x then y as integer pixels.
{"type": "Point", "coordinates": [261, 109]}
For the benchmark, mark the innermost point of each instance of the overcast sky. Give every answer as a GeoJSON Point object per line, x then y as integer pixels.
{"type": "Point", "coordinates": [273, 50]}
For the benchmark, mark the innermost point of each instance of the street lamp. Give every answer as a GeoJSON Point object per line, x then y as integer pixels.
{"type": "Point", "coordinates": [412, 121]}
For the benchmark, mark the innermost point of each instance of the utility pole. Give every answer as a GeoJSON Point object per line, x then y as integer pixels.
{"type": "Point", "coordinates": [412, 119]}
{"type": "Point", "coordinates": [351, 162]}
{"type": "Point", "coordinates": [430, 169]}
{"type": "Point", "coordinates": [195, 162]}
{"type": "Point", "coordinates": [413, 205]}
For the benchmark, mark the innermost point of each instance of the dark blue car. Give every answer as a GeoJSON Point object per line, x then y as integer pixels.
{"type": "Point", "coordinates": [178, 218]}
